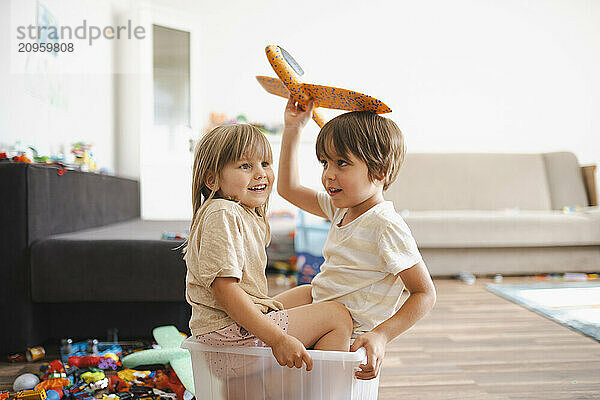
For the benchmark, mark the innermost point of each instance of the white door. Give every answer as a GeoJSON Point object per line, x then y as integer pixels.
{"type": "Point", "coordinates": [168, 123]}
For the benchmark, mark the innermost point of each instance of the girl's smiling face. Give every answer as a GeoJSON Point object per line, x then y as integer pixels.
{"type": "Point", "coordinates": [347, 182]}
{"type": "Point", "coordinates": [249, 181]}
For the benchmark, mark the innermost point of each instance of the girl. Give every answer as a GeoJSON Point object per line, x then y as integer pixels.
{"type": "Point", "coordinates": [226, 259]}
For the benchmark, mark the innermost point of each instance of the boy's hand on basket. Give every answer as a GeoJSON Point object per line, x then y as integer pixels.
{"type": "Point", "coordinates": [291, 352]}
{"type": "Point", "coordinates": [374, 343]}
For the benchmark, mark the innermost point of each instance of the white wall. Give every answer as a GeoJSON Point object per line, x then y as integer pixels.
{"type": "Point", "coordinates": [465, 76]}
{"type": "Point", "coordinates": [495, 75]}
{"type": "Point", "coordinates": [460, 76]}
{"type": "Point", "coordinates": [51, 102]}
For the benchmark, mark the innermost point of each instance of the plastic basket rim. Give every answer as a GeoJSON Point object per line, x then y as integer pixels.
{"type": "Point", "coordinates": [320, 355]}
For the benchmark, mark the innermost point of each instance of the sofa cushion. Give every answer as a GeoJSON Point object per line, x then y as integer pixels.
{"type": "Point", "coordinates": [468, 229]}
{"type": "Point", "coordinates": [479, 181]}
{"type": "Point", "coordinates": [120, 262]}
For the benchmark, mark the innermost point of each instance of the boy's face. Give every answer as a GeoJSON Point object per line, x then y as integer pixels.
{"type": "Point", "coordinates": [347, 182]}
{"type": "Point", "coordinates": [249, 181]}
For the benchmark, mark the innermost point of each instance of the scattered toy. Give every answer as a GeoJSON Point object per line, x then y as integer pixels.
{"type": "Point", "coordinates": [53, 384]}
{"type": "Point", "coordinates": [84, 362]}
{"type": "Point", "coordinates": [89, 348]}
{"type": "Point", "coordinates": [174, 236]}
{"type": "Point", "coordinates": [38, 394]}
{"type": "Point", "coordinates": [54, 395]}
{"type": "Point", "coordinates": [83, 156]}
{"type": "Point", "coordinates": [25, 382]}
{"type": "Point", "coordinates": [80, 375]}
{"type": "Point", "coordinates": [35, 353]}
{"type": "Point", "coordinates": [568, 276]}
{"type": "Point", "coordinates": [54, 369]}
{"type": "Point", "coordinates": [17, 357]}
{"type": "Point", "coordinates": [116, 384]}
{"type": "Point", "coordinates": [466, 277]}
{"type": "Point", "coordinates": [22, 158]}
{"type": "Point", "coordinates": [575, 276]}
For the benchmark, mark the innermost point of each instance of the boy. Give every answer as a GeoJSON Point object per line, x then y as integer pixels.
{"type": "Point", "coordinates": [370, 255]}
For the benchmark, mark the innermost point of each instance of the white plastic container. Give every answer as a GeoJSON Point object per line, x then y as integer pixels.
{"type": "Point", "coordinates": [250, 373]}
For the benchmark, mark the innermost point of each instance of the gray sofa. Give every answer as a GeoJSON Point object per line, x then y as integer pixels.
{"type": "Point", "coordinates": [499, 213]}
{"type": "Point", "coordinates": [76, 259]}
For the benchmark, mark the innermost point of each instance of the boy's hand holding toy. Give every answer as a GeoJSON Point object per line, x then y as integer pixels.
{"type": "Point", "coordinates": [295, 117]}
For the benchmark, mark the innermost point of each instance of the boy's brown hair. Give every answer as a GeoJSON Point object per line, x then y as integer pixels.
{"type": "Point", "coordinates": [374, 139]}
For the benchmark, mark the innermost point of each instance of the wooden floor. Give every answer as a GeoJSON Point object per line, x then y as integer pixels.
{"type": "Point", "coordinates": [475, 345]}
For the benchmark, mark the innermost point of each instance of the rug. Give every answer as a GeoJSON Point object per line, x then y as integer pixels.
{"type": "Point", "coordinates": [573, 304]}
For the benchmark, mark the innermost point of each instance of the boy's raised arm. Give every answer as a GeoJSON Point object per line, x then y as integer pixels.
{"type": "Point", "coordinates": [288, 181]}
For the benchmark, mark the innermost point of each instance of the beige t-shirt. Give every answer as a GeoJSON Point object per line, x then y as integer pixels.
{"type": "Point", "coordinates": [228, 241]}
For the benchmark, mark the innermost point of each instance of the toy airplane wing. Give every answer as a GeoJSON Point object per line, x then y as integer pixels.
{"type": "Point", "coordinates": [183, 368]}
{"type": "Point", "coordinates": [169, 339]}
{"type": "Point", "coordinates": [328, 96]}
{"type": "Point", "coordinates": [274, 86]}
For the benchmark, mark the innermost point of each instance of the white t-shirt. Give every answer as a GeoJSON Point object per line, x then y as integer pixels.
{"type": "Point", "coordinates": [362, 260]}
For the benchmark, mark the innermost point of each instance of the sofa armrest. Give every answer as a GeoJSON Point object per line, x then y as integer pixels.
{"type": "Point", "coordinates": [589, 180]}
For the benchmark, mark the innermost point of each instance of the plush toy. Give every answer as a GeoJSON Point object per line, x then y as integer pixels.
{"type": "Point", "coordinates": [289, 83]}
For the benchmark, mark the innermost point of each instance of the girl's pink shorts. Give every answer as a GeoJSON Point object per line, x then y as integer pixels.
{"type": "Point", "coordinates": [236, 335]}
{"type": "Point", "coordinates": [225, 365]}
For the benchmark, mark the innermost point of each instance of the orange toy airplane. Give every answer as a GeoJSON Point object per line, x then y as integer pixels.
{"type": "Point", "coordinates": [289, 72]}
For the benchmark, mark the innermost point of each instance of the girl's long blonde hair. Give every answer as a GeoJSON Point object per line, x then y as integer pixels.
{"type": "Point", "coordinates": [219, 147]}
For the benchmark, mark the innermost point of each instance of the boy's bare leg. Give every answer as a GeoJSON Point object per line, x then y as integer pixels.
{"type": "Point", "coordinates": [295, 297]}
{"type": "Point", "coordinates": [322, 326]}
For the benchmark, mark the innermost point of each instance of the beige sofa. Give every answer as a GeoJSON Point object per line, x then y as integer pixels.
{"type": "Point", "coordinates": [499, 213]}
